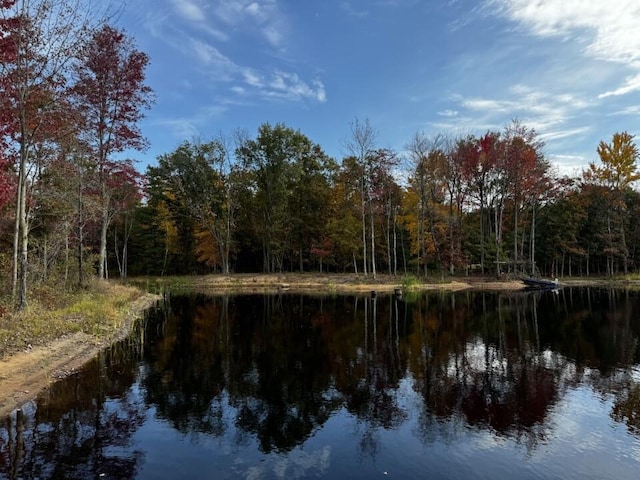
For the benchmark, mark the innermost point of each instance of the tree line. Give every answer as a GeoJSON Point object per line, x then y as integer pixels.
{"type": "Point", "coordinates": [73, 92]}
{"type": "Point", "coordinates": [491, 204]}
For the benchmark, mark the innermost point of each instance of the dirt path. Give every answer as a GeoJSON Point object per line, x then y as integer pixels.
{"type": "Point", "coordinates": [24, 375]}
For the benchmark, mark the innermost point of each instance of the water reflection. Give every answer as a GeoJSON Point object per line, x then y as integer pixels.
{"type": "Point", "coordinates": [270, 374]}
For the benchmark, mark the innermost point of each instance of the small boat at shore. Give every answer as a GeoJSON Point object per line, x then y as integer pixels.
{"type": "Point", "coordinates": [540, 283]}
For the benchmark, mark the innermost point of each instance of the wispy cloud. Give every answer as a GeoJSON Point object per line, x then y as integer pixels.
{"type": "Point", "coordinates": [567, 133]}
{"type": "Point", "coordinates": [263, 17]}
{"type": "Point", "coordinates": [631, 85]}
{"type": "Point", "coordinates": [290, 86]}
{"type": "Point", "coordinates": [189, 10]}
{"type": "Point", "coordinates": [181, 128]}
{"type": "Point", "coordinates": [549, 114]}
{"type": "Point", "coordinates": [608, 29]}
{"type": "Point", "coordinates": [630, 110]}
{"type": "Point", "coordinates": [280, 85]}
{"type": "Point", "coordinates": [202, 31]}
{"type": "Point", "coordinates": [448, 113]}
{"type": "Point", "coordinates": [570, 165]}
{"type": "Point", "coordinates": [350, 10]}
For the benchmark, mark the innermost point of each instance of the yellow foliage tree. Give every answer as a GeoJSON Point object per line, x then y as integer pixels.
{"type": "Point", "coordinates": [618, 170]}
{"type": "Point", "coordinates": [619, 163]}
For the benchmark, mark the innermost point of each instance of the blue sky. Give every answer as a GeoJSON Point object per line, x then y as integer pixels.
{"type": "Point", "coordinates": [568, 68]}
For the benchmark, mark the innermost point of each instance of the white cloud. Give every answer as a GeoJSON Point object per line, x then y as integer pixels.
{"type": "Point", "coordinates": [569, 165]}
{"type": "Point", "coordinates": [201, 31]}
{"type": "Point", "coordinates": [290, 86]}
{"type": "Point", "coordinates": [608, 28]}
{"type": "Point", "coordinates": [448, 113]}
{"type": "Point", "coordinates": [349, 9]}
{"type": "Point", "coordinates": [264, 17]}
{"type": "Point", "coordinates": [567, 133]}
{"type": "Point", "coordinates": [630, 110]}
{"type": "Point", "coordinates": [210, 55]}
{"type": "Point", "coordinates": [632, 84]}
{"type": "Point", "coordinates": [549, 114]}
{"type": "Point", "coordinates": [194, 125]}
{"type": "Point", "coordinates": [252, 78]}
{"type": "Point", "coordinates": [189, 10]}
{"type": "Point", "coordinates": [484, 104]}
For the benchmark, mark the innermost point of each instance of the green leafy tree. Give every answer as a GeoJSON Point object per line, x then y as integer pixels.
{"type": "Point", "coordinates": [197, 176]}
{"type": "Point", "coordinates": [309, 202]}
{"type": "Point", "coordinates": [276, 161]}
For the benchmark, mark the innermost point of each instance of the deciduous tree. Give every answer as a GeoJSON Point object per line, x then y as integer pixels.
{"type": "Point", "coordinates": [111, 94]}
{"type": "Point", "coordinates": [617, 172]}
{"type": "Point", "coordinates": [40, 38]}
{"type": "Point", "coordinates": [360, 145]}
{"type": "Point", "coordinates": [197, 175]}
{"type": "Point", "coordinates": [272, 161]}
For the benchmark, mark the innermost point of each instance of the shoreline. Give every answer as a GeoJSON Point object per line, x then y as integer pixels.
{"type": "Point", "coordinates": [26, 374]}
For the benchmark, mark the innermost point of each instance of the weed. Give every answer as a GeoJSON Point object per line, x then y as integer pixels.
{"type": "Point", "coordinates": [409, 282]}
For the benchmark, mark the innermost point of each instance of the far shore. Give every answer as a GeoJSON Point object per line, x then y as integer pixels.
{"type": "Point", "coordinates": [350, 283]}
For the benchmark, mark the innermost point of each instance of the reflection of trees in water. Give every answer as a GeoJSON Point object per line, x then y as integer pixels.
{"type": "Point", "coordinates": [502, 361]}
{"type": "Point", "coordinates": [187, 375]}
{"type": "Point", "coordinates": [627, 409]}
{"type": "Point", "coordinates": [604, 328]}
{"type": "Point", "coordinates": [286, 363]}
{"type": "Point", "coordinates": [477, 362]}
{"type": "Point", "coordinates": [82, 427]}
{"type": "Point", "coordinates": [264, 360]}
{"type": "Point", "coordinates": [370, 392]}
{"type": "Point", "coordinates": [276, 368]}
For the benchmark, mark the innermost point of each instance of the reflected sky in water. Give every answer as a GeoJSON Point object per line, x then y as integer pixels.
{"type": "Point", "coordinates": [432, 385]}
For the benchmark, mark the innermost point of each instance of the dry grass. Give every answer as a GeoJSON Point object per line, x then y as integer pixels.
{"type": "Point", "coordinates": [99, 311]}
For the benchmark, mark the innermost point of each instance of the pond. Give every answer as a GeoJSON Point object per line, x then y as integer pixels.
{"type": "Point", "coordinates": [527, 385]}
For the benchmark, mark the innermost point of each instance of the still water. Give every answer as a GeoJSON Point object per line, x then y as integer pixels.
{"type": "Point", "coordinates": [463, 385]}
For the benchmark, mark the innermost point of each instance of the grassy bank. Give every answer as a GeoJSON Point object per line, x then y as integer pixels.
{"type": "Point", "coordinates": [101, 310]}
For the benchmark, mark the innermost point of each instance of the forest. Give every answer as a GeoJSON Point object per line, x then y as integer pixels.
{"type": "Point", "coordinates": [74, 207]}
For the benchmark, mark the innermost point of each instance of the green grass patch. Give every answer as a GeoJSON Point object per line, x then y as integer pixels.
{"type": "Point", "coordinates": [409, 282]}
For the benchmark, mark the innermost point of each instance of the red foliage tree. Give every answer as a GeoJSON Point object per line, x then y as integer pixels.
{"type": "Point", "coordinates": [7, 182]}
{"type": "Point", "coordinates": [38, 40]}
{"type": "Point", "coordinates": [478, 167]}
{"type": "Point", "coordinates": [111, 94]}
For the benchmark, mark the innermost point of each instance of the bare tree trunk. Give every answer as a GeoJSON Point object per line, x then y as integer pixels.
{"type": "Point", "coordinates": [373, 238]}
{"type": "Point", "coordinates": [80, 237]}
{"type": "Point", "coordinates": [395, 241]}
{"type": "Point", "coordinates": [24, 249]}
{"type": "Point", "coordinates": [364, 230]}
{"type": "Point", "coordinates": [102, 262]}
{"type": "Point", "coordinates": [533, 238]}
{"type": "Point", "coordinates": [66, 255]}
{"type": "Point", "coordinates": [16, 245]}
